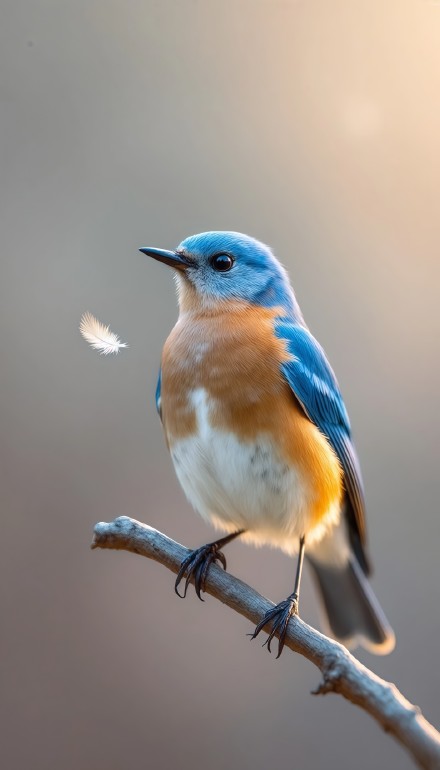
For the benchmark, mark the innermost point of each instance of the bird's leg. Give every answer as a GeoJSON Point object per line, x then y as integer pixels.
{"type": "Point", "coordinates": [197, 564]}
{"type": "Point", "coordinates": [280, 615]}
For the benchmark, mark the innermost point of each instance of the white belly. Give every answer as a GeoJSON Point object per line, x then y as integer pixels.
{"type": "Point", "coordinates": [243, 485]}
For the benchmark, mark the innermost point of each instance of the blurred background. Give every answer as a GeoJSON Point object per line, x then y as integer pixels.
{"type": "Point", "coordinates": [313, 126]}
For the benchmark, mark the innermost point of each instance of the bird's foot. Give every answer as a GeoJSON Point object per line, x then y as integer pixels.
{"type": "Point", "coordinates": [197, 565]}
{"type": "Point", "coordinates": [279, 616]}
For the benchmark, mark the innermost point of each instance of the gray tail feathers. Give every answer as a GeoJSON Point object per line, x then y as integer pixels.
{"type": "Point", "coordinates": [354, 614]}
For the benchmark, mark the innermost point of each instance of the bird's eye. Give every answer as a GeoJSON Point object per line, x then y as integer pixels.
{"type": "Point", "coordinates": [222, 262]}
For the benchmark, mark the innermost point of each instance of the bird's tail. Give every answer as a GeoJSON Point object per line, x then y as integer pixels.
{"type": "Point", "coordinates": [353, 612]}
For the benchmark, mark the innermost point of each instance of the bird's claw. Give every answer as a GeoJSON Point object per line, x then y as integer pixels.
{"type": "Point", "coordinates": [279, 616]}
{"type": "Point", "coordinates": [196, 566]}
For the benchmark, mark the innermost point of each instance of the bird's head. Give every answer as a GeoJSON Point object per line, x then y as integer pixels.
{"type": "Point", "coordinates": [219, 267]}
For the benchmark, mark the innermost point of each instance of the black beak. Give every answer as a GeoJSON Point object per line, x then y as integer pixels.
{"type": "Point", "coordinates": [171, 258]}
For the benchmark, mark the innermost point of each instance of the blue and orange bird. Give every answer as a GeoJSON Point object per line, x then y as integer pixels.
{"type": "Point", "coordinates": [259, 434]}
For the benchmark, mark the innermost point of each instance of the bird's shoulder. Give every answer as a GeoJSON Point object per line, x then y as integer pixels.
{"type": "Point", "coordinates": [311, 376]}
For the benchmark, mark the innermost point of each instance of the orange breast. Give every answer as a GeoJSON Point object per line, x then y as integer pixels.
{"type": "Point", "coordinates": [234, 355]}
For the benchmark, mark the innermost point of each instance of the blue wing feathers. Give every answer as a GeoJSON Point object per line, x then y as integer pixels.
{"type": "Point", "coordinates": [314, 384]}
{"type": "Point", "coordinates": [311, 377]}
{"type": "Point", "coordinates": [158, 393]}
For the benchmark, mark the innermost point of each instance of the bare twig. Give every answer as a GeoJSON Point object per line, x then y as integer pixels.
{"type": "Point", "coordinates": [341, 672]}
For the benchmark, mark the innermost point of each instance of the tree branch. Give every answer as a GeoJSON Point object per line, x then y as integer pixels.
{"type": "Point", "coordinates": [341, 672]}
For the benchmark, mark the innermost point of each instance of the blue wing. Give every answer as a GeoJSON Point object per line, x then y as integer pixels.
{"type": "Point", "coordinates": [158, 391]}
{"type": "Point", "coordinates": [313, 382]}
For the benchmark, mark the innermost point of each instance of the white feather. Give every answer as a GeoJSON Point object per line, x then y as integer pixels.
{"type": "Point", "coordinates": [99, 336]}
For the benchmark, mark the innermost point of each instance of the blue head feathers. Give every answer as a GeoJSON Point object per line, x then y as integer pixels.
{"type": "Point", "coordinates": [222, 266]}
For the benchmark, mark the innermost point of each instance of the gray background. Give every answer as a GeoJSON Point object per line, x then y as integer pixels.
{"type": "Point", "coordinates": [311, 125]}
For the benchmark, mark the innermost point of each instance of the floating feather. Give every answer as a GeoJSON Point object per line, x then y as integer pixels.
{"type": "Point", "coordinates": [99, 336]}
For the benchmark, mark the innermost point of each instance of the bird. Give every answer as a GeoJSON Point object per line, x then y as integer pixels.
{"type": "Point", "coordinates": [259, 434]}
